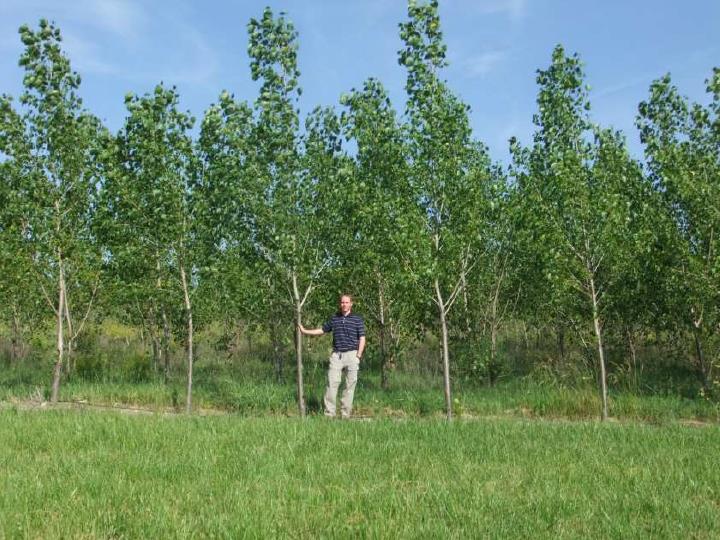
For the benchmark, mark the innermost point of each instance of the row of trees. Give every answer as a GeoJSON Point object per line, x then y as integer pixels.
{"type": "Point", "coordinates": [263, 220]}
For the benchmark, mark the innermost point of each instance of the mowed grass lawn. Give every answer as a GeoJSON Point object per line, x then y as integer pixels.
{"type": "Point", "coordinates": [74, 474]}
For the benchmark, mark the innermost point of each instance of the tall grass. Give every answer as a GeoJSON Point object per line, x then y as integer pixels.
{"type": "Point", "coordinates": [249, 387]}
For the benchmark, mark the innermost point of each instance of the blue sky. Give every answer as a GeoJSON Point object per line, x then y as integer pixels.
{"type": "Point", "coordinates": [494, 49]}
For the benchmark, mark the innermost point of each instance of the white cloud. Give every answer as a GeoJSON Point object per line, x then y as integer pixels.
{"type": "Point", "coordinates": [196, 63]}
{"type": "Point", "coordinates": [86, 57]}
{"type": "Point", "coordinates": [121, 17]}
{"type": "Point", "coordinates": [622, 86]}
{"type": "Point", "coordinates": [484, 63]}
{"type": "Point", "coordinates": [515, 9]}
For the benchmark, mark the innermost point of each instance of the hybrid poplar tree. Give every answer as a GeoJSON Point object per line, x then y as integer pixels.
{"type": "Point", "coordinates": [372, 202]}
{"type": "Point", "coordinates": [231, 273]}
{"type": "Point", "coordinates": [287, 223]}
{"type": "Point", "coordinates": [21, 302]}
{"type": "Point", "coordinates": [56, 149]}
{"type": "Point", "coordinates": [682, 145]}
{"type": "Point", "coordinates": [152, 200]}
{"type": "Point", "coordinates": [584, 189]}
{"type": "Point", "coordinates": [447, 169]}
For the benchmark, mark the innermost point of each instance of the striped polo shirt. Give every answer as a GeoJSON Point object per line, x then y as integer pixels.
{"type": "Point", "coordinates": [347, 331]}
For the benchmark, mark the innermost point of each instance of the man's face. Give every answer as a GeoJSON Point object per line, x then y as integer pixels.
{"type": "Point", "coordinates": [345, 305]}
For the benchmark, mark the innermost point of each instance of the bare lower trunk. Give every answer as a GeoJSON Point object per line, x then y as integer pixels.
{"type": "Point", "coordinates": [601, 352]}
{"type": "Point", "coordinates": [70, 341]}
{"type": "Point", "coordinates": [155, 345]}
{"type": "Point", "coordinates": [633, 359]}
{"type": "Point", "coordinates": [188, 311]}
{"type": "Point", "coordinates": [154, 339]}
{"type": "Point", "coordinates": [382, 339]}
{"type": "Point", "coordinates": [298, 356]}
{"type": "Point", "coordinates": [298, 347]}
{"type": "Point", "coordinates": [700, 357]}
{"type": "Point", "coordinates": [60, 313]}
{"type": "Point", "coordinates": [445, 350]}
{"type": "Point", "coordinates": [166, 346]}
{"type": "Point", "coordinates": [466, 305]}
{"type": "Point", "coordinates": [526, 338]}
{"type": "Point", "coordinates": [15, 339]}
{"type": "Point", "coordinates": [494, 326]}
{"type": "Point", "coordinates": [493, 355]}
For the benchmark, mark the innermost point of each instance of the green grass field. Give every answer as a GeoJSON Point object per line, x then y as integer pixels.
{"type": "Point", "coordinates": [107, 475]}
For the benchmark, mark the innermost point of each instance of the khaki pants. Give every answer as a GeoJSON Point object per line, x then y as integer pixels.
{"type": "Point", "coordinates": [339, 361]}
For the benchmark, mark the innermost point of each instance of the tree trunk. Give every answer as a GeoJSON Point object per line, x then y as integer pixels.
{"type": "Point", "coordinates": [383, 342]}
{"type": "Point", "coordinates": [15, 339]}
{"type": "Point", "coordinates": [494, 326]}
{"type": "Point", "coordinates": [633, 358]}
{"type": "Point", "coordinates": [493, 355]}
{"type": "Point", "coordinates": [526, 338]}
{"type": "Point", "coordinates": [155, 352]}
{"type": "Point", "coordinates": [445, 350]}
{"type": "Point", "coordinates": [70, 347]}
{"type": "Point", "coordinates": [154, 339]}
{"type": "Point", "coordinates": [560, 329]}
{"type": "Point", "coordinates": [298, 347]}
{"type": "Point", "coordinates": [166, 346]}
{"type": "Point", "coordinates": [60, 313]}
{"type": "Point", "coordinates": [601, 352]}
{"type": "Point", "coordinates": [700, 356]}
{"type": "Point", "coordinates": [188, 311]}
{"type": "Point", "coordinates": [298, 356]}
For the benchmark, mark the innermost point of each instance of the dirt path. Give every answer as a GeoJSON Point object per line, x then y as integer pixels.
{"type": "Point", "coordinates": [34, 405]}
{"type": "Point", "coordinates": [83, 405]}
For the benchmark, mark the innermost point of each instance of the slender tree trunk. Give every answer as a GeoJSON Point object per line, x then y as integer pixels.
{"type": "Point", "coordinates": [392, 350]}
{"type": "Point", "coordinates": [560, 329]}
{"type": "Point", "coordinates": [70, 340]}
{"type": "Point", "coordinates": [298, 348]}
{"type": "Point", "coordinates": [154, 339]}
{"type": "Point", "coordinates": [445, 350]}
{"type": "Point", "coordinates": [526, 338]}
{"type": "Point", "coordinates": [166, 346]}
{"type": "Point", "coordinates": [382, 337]}
{"type": "Point", "coordinates": [60, 331]}
{"type": "Point", "coordinates": [700, 355]}
{"type": "Point", "coordinates": [143, 330]}
{"type": "Point", "coordinates": [188, 311]}
{"type": "Point", "coordinates": [298, 356]}
{"type": "Point", "coordinates": [494, 326]}
{"type": "Point", "coordinates": [466, 305]}
{"type": "Point", "coordinates": [155, 352]}
{"type": "Point", "coordinates": [15, 339]}
{"type": "Point", "coordinates": [601, 352]}
{"type": "Point", "coordinates": [493, 355]}
{"type": "Point", "coordinates": [633, 358]}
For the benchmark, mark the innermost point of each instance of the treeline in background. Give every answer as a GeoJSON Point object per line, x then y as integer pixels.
{"type": "Point", "coordinates": [140, 256]}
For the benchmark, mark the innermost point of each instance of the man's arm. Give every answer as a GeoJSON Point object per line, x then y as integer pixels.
{"type": "Point", "coordinates": [361, 347]}
{"type": "Point", "coordinates": [312, 332]}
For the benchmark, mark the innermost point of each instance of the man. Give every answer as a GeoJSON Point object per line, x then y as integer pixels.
{"type": "Point", "coordinates": [348, 332]}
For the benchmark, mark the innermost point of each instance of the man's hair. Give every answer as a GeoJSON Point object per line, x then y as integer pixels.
{"type": "Point", "coordinates": [348, 295]}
